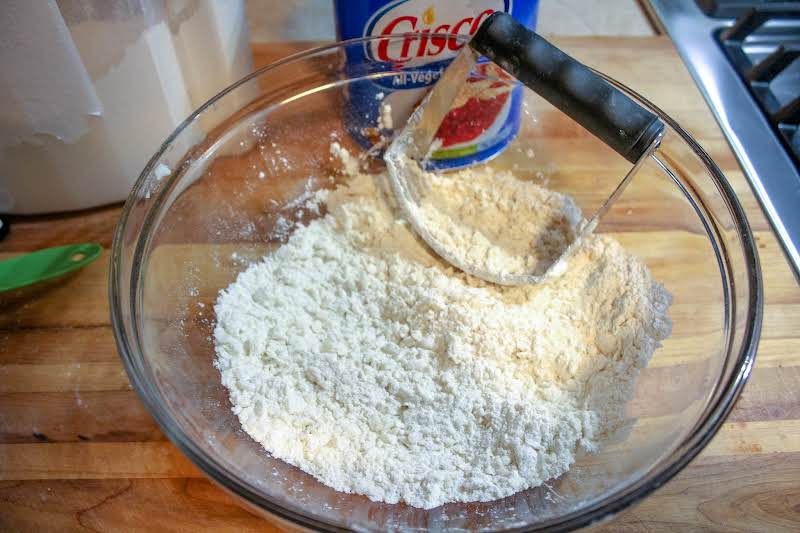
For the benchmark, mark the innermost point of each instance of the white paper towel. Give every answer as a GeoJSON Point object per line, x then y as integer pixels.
{"type": "Point", "coordinates": [97, 85]}
{"type": "Point", "coordinates": [44, 87]}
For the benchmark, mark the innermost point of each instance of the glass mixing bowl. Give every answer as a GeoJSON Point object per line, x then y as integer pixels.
{"type": "Point", "coordinates": [224, 190]}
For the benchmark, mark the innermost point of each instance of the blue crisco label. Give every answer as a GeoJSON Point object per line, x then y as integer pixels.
{"type": "Point", "coordinates": [486, 115]}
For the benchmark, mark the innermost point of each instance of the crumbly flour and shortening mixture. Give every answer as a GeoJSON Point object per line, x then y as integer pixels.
{"type": "Point", "coordinates": [493, 221]}
{"type": "Point", "coordinates": [355, 354]}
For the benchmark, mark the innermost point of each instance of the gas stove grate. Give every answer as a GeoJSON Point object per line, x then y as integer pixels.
{"type": "Point", "coordinates": [764, 45]}
{"type": "Point", "coordinates": [743, 55]}
{"type": "Point", "coordinates": [730, 8]}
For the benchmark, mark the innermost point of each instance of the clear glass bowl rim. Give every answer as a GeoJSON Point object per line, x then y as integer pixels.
{"type": "Point", "coordinates": [604, 509]}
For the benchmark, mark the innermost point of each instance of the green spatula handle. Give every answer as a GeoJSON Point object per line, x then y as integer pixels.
{"type": "Point", "coordinates": [46, 264]}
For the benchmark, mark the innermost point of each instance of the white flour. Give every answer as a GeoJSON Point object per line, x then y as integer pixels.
{"type": "Point", "coordinates": [495, 222]}
{"type": "Point", "coordinates": [356, 355]}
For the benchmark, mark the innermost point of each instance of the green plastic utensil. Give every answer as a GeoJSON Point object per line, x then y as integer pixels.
{"type": "Point", "coordinates": [46, 264]}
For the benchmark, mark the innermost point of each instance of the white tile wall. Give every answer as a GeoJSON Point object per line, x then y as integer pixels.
{"type": "Point", "coordinates": [592, 17]}
{"type": "Point", "coordinates": [311, 20]}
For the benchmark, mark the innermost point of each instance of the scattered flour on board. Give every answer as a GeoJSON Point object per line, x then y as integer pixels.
{"type": "Point", "coordinates": [355, 354]}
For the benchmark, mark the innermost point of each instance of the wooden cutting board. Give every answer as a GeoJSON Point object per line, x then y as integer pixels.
{"type": "Point", "coordinates": [78, 451]}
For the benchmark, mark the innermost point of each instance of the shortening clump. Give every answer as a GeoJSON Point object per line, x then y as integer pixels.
{"type": "Point", "coordinates": [355, 354]}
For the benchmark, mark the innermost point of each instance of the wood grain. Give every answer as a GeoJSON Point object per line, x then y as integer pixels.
{"type": "Point", "coordinates": [178, 504]}
{"type": "Point", "coordinates": [78, 451]}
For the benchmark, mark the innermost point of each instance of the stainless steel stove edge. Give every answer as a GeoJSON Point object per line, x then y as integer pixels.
{"type": "Point", "coordinates": [770, 170]}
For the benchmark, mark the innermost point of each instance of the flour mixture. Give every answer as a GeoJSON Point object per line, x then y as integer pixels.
{"type": "Point", "coordinates": [355, 354]}
{"type": "Point", "coordinates": [495, 222]}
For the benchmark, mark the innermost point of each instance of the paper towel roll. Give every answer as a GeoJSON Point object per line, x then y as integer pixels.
{"type": "Point", "coordinates": [100, 84]}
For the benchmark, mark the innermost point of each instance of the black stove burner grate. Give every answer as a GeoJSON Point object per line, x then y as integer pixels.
{"type": "Point", "coordinates": [764, 47]}
{"type": "Point", "coordinates": [743, 56]}
{"type": "Point", "coordinates": [731, 9]}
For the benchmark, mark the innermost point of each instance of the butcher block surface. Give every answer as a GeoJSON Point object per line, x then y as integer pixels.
{"type": "Point", "coordinates": [78, 450]}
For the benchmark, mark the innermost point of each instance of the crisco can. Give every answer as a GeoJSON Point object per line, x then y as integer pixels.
{"type": "Point", "coordinates": [485, 117]}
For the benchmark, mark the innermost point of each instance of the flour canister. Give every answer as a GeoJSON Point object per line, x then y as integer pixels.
{"type": "Point", "coordinates": [487, 115]}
